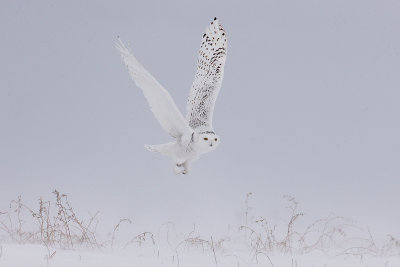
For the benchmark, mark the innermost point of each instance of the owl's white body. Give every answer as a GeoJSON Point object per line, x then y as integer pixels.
{"type": "Point", "coordinates": [194, 134]}
{"type": "Point", "coordinates": [184, 155]}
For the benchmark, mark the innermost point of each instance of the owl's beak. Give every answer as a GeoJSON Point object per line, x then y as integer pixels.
{"type": "Point", "coordinates": [211, 144]}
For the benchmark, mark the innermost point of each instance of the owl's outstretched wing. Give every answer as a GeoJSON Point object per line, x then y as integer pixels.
{"type": "Point", "coordinates": [161, 103]}
{"type": "Point", "coordinates": [208, 79]}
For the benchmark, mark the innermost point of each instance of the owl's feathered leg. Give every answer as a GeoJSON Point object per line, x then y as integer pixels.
{"type": "Point", "coordinates": [178, 168]}
{"type": "Point", "coordinates": [187, 166]}
{"type": "Point", "coordinates": [183, 168]}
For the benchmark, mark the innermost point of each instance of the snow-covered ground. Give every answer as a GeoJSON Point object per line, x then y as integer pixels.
{"type": "Point", "coordinates": [37, 255]}
{"type": "Point", "coordinates": [53, 234]}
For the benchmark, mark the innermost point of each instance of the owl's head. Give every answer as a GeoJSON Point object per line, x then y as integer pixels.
{"type": "Point", "coordinates": [208, 141]}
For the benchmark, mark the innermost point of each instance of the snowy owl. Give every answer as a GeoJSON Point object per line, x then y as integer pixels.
{"type": "Point", "coordinates": [194, 135]}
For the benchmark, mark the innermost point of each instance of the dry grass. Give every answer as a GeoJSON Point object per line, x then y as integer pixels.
{"type": "Point", "coordinates": [194, 241]}
{"type": "Point", "coordinates": [331, 233]}
{"type": "Point", "coordinates": [141, 239]}
{"type": "Point", "coordinates": [368, 246]}
{"type": "Point", "coordinates": [55, 224]}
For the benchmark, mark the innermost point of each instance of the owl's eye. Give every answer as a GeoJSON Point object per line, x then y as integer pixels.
{"type": "Point", "coordinates": [216, 139]}
{"type": "Point", "coordinates": [205, 138]}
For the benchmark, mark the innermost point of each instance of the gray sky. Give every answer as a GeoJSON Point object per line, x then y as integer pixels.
{"type": "Point", "coordinates": [309, 107]}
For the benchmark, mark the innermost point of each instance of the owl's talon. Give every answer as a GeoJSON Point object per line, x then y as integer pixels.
{"type": "Point", "coordinates": [178, 168]}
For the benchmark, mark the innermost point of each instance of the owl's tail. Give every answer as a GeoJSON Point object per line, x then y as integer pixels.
{"type": "Point", "coordinates": [153, 148]}
{"type": "Point", "coordinates": [164, 149]}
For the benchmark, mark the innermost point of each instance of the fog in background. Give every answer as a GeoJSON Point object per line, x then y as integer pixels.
{"type": "Point", "coordinates": [309, 107]}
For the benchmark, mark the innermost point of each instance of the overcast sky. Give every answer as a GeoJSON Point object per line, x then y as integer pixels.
{"type": "Point", "coordinates": [309, 107]}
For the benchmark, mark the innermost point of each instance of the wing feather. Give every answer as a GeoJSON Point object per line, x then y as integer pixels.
{"type": "Point", "coordinates": [161, 103]}
{"type": "Point", "coordinates": [208, 79]}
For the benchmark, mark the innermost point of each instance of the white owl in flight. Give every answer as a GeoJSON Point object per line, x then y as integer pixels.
{"type": "Point", "coordinates": [194, 135]}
